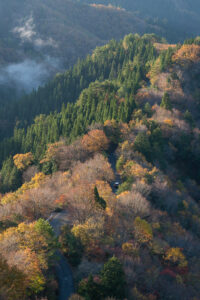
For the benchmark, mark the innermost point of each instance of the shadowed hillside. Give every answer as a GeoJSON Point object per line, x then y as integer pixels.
{"type": "Point", "coordinates": [179, 19]}
{"type": "Point", "coordinates": [40, 38]}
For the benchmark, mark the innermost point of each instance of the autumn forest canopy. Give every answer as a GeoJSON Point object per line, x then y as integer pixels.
{"type": "Point", "coordinates": [100, 166]}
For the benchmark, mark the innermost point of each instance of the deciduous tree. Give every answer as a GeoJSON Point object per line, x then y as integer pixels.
{"type": "Point", "coordinates": [95, 141]}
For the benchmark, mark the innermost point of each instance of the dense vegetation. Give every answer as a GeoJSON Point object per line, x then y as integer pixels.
{"type": "Point", "coordinates": [130, 111]}
{"type": "Point", "coordinates": [43, 38]}
{"type": "Point", "coordinates": [67, 87]}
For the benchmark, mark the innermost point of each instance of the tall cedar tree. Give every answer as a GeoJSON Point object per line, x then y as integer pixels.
{"type": "Point", "coordinates": [99, 200]}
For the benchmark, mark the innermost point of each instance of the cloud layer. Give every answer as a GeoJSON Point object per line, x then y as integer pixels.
{"type": "Point", "coordinates": [29, 74]}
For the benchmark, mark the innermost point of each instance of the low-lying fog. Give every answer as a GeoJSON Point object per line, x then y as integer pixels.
{"type": "Point", "coordinates": [29, 74]}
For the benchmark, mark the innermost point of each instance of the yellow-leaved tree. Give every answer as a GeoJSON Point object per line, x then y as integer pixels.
{"type": "Point", "coordinates": [176, 256]}
{"type": "Point", "coordinates": [142, 231]}
{"type": "Point", "coordinates": [22, 161]}
{"type": "Point", "coordinates": [29, 248]}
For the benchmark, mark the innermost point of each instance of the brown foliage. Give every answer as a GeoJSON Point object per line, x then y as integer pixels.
{"type": "Point", "coordinates": [97, 168]}
{"type": "Point", "coordinates": [26, 249]}
{"type": "Point", "coordinates": [29, 173]}
{"type": "Point", "coordinates": [67, 156]}
{"type": "Point", "coordinates": [13, 282]}
{"type": "Point", "coordinates": [76, 297]}
{"type": "Point", "coordinates": [51, 151]}
{"type": "Point", "coordinates": [133, 204]}
{"type": "Point", "coordinates": [187, 53]}
{"type": "Point", "coordinates": [162, 47]}
{"type": "Point", "coordinates": [95, 141]}
{"type": "Point", "coordinates": [36, 202]}
{"type": "Point", "coordinates": [80, 202]}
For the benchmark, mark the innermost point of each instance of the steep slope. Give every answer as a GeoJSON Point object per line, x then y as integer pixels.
{"type": "Point", "coordinates": [66, 87]}
{"type": "Point", "coordinates": [130, 74]}
{"type": "Point", "coordinates": [103, 64]}
{"type": "Point", "coordinates": [140, 241]}
{"type": "Point", "coordinates": [42, 38]}
{"type": "Point", "coordinates": [178, 18]}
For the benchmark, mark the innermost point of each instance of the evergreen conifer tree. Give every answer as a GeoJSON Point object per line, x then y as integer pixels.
{"type": "Point", "coordinates": [166, 102]}
{"type": "Point", "coordinates": [99, 200]}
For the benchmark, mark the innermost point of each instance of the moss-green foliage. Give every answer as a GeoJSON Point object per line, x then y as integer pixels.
{"type": "Point", "coordinates": [10, 176]}
{"type": "Point", "coordinates": [166, 58]}
{"type": "Point", "coordinates": [148, 110]}
{"type": "Point", "coordinates": [126, 185]}
{"type": "Point", "coordinates": [166, 102]}
{"type": "Point", "coordinates": [49, 167]}
{"type": "Point", "coordinates": [142, 144]}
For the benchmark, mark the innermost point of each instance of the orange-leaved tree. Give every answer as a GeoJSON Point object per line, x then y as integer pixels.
{"type": "Point", "coordinates": [95, 141]}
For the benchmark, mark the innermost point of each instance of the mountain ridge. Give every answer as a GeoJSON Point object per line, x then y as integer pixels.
{"type": "Point", "coordinates": [136, 105]}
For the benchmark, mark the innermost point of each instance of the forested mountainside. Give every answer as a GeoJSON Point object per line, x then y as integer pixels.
{"type": "Point", "coordinates": [41, 38]}
{"type": "Point", "coordinates": [67, 87]}
{"type": "Point", "coordinates": [128, 112]}
{"type": "Point", "coordinates": [179, 19]}
{"type": "Point", "coordinates": [60, 28]}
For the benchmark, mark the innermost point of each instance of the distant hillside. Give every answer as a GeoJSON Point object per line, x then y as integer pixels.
{"type": "Point", "coordinates": [178, 18]}
{"type": "Point", "coordinates": [40, 38]}
{"type": "Point", "coordinates": [61, 28]}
